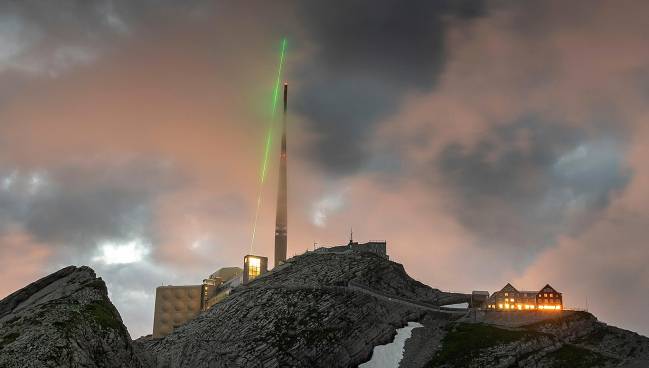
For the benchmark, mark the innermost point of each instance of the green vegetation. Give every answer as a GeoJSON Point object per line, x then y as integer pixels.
{"type": "Point", "coordinates": [465, 341]}
{"type": "Point", "coordinates": [104, 314]}
{"type": "Point", "coordinates": [571, 356]}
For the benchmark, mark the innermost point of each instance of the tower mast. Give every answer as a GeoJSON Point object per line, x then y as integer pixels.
{"type": "Point", "coordinates": [281, 215]}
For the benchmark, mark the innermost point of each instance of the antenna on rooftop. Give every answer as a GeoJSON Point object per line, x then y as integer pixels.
{"type": "Point", "coordinates": [351, 235]}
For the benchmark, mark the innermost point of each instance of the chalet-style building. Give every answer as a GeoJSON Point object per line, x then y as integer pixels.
{"type": "Point", "coordinates": [509, 298]}
{"type": "Point", "coordinates": [549, 298]}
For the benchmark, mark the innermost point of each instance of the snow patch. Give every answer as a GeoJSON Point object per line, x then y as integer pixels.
{"type": "Point", "coordinates": [464, 305]}
{"type": "Point", "coordinates": [390, 355]}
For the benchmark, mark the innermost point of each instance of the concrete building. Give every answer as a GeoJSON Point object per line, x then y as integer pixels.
{"type": "Point", "coordinates": [223, 291]}
{"type": "Point", "coordinates": [253, 266]}
{"type": "Point", "coordinates": [175, 305]}
{"type": "Point", "coordinates": [479, 299]}
{"type": "Point", "coordinates": [509, 298]}
{"type": "Point", "coordinates": [218, 285]}
{"type": "Point", "coordinates": [378, 247]}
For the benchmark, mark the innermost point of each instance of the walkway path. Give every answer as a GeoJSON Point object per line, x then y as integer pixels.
{"type": "Point", "coordinates": [357, 288]}
{"type": "Point", "coordinates": [403, 301]}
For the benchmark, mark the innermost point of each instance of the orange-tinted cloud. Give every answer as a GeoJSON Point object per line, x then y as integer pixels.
{"type": "Point", "coordinates": [158, 140]}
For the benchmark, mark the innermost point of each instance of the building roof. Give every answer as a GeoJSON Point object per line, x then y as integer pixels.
{"type": "Point", "coordinates": [551, 289]}
{"type": "Point", "coordinates": [226, 273]}
{"type": "Point", "coordinates": [509, 287]}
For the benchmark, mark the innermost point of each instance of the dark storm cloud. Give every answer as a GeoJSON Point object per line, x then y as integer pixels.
{"type": "Point", "coordinates": [78, 206]}
{"type": "Point", "coordinates": [50, 37]}
{"type": "Point", "coordinates": [368, 54]}
{"type": "Point", "coordinates": [528, 182]}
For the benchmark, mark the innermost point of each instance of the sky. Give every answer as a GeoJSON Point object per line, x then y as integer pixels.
{"type": "Point", "coordinates": [486, 141]}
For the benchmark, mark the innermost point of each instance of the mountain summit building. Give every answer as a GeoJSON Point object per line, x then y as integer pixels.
{"type": "Point", "coordinates": [509, 298]}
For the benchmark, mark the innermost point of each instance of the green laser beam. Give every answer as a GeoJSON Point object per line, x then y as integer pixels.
{"type": "Point", "coordinates": [264, 170]}
{"type": "Point", "coordinates": [269, 135]}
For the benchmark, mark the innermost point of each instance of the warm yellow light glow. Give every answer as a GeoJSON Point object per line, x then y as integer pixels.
{"type": "Point", "coordinates": [500, 306]}
{"type": "Point", "coordinates": [254, 267]}
{"type": "Point", "coordinates": [550, 307]}
{"type": "Point", "coordinates": [255, 262]}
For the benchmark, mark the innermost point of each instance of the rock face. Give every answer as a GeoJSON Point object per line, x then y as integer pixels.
{"type": "Point", "coordinates": [572, 339]}
{"type": "Point", "coordinates": [317, 310]}
{"type": "Point", "coordinates": [64, 320]}
{"type": "Point", "coordinates": [330, 310]}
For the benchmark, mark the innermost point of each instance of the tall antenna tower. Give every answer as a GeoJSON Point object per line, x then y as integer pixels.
{"type": "Point", "coordinates": [282, 207]}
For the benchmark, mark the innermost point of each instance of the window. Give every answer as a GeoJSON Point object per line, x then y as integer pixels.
{"type": "Point", "coordinates": [254, 268]}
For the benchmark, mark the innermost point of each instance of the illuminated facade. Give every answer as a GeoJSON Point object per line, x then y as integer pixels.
{"type": "Point", "coordinates": [253, 266]}
{"type": "Point", "coordinates": [176, 305]}
{"type": "Point", "coordinates": [549, 298]}
{"type": "Point", "coordinates": [509, 298]}
{"type": "Point", "coordinates": [218, 285]}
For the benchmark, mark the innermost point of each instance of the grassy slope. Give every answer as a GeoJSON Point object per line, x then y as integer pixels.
{"type": "Point", "coordinates": [466, 342]}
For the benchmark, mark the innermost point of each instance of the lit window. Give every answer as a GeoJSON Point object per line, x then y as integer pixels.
{"type": "Point", "coordinates": [254, 268]}
{"type": "Point", "coordinates": [506, 294]}
{"type": "Point", "coordinates": [500, 306]}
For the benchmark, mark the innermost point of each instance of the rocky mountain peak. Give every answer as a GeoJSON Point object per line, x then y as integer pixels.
{"type": "Point", "coordinates": [64, 320]}
{"type": "Point", "coordinates": [316, 310]}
